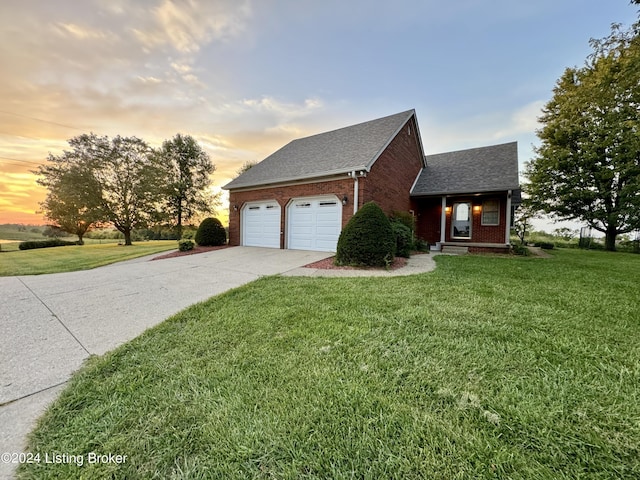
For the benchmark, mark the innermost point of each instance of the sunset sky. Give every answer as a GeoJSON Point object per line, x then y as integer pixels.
{"type": "Point", "coordinates": [244, 77]}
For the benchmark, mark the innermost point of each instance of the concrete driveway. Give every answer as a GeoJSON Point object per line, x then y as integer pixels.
{"type": "Point", "coordinates": [51, 323]}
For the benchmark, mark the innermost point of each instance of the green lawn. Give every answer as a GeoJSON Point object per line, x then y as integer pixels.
{"type": "Point", "coordinates": [519, 368]}
{"type": "Point", "coordinates": [71, 258]}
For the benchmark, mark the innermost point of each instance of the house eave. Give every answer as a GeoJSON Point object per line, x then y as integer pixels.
{"type": "Point", "coordinates": [456, 193]}
{"type": "Point", "coordinates": [299, 180]}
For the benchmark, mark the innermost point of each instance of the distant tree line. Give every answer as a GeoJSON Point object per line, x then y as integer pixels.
{"type": "Point", "coordinates": [125, 183]}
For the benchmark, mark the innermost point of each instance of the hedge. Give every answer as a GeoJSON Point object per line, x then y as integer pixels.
{"type": "Point", "coordinates": [56, 242]}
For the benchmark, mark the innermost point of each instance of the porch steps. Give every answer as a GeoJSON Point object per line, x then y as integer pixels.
{"type": "Point", "coordinates": [454, 250]}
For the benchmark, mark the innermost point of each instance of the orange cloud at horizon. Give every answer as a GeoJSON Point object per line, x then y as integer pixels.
{"type": "Point", "coordinates": [19, 193]}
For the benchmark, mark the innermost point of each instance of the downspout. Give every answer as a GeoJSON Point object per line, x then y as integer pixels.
{"type": "Point", "coordinates": [354, 174]}
{"type": "Point", "coordinates": [508, 227]}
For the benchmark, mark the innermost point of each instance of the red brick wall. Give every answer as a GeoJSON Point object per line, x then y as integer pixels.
{"type": "Point", "coordinates": [283, 195]}
{"type": "Point", "coordinates": [393, 174]}
{"type": "Point", "coordinates": [429, 220]}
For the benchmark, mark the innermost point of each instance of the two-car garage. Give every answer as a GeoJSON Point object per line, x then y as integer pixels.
{"type": "Point", "coordinates": [311, 223]}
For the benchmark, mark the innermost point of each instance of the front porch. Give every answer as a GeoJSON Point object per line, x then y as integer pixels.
{"type": "Point", "coordinates": [477, 223]}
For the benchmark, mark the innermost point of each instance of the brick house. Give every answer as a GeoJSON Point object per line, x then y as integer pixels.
{"type": "Point", "coordinates": [301, 196]}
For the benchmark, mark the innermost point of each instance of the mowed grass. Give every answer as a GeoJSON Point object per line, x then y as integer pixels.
{"type": "Point", "coordinates": [71, 258]}
{"type": "Point", "coordinates": [519, 368]}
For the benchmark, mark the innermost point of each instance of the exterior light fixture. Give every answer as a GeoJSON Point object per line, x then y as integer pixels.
{"type": "Point", "coordinates": [344, 200]}
{"type": "Point", "coordinates": [235, 208]}
{"type": "Point", "coordinates": [447, 209]}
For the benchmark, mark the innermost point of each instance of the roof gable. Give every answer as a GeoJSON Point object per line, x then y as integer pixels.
{"type": "Point", "coordinates": [344, 150]}
{"type": "Point", "coordinates": [476, 170]}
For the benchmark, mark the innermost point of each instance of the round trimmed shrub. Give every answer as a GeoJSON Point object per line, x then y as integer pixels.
{"type": "Point", "coordinates": [367, 240]}
{"type": "Point", "coordinates": [211, 233]}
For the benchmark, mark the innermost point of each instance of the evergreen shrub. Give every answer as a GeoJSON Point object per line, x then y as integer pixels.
{"type": "Point", "coordinates": [211, 233]}
{"type": "Point", "coordinates": [185, 245]}
{"type": "Point", "coordinates": [405, 218]}
{"type": "Point", "coordinates": [404, 239]}
{"type": "Point", "coordinates": [367, 240]}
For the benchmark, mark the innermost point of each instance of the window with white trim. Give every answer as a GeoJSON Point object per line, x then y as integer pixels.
{"type": "Point", "coordinates": [461, 220]}
{"type": "Point", "coordinates": [491, 212]}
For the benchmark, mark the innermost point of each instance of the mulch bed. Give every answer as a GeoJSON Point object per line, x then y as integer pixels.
{"type": "Point", "coordinates": [195, 250]}
{"type": "Point", "coordinates": [327, 264]}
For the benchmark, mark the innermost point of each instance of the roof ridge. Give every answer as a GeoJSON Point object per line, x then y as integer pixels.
{"type": "Point", "coordinates": [407, 112]}
{"type": "Point", "coordinates": [471, 148]}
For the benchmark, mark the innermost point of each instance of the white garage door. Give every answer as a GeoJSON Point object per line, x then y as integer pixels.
{"type": "Point", "coordinates": [314, 223]}
{"type": "Point", "coordinates": [261, 224]}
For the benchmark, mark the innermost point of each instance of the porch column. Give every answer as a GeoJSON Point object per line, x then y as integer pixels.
{"type": "Point", "coordinates": [443, 219]}
{"type": "Point", "coordinates": [507, 232]}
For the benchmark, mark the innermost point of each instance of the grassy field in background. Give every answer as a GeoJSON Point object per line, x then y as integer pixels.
{"type": "Point", "coordinates": [18, 234]}
{"type": "Point", "coordinates": [71, 258]}
{"type": "Point", "coordinates": [520, 368]}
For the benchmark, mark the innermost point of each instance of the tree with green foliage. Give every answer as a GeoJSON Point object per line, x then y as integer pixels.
{"type": "Point", "coordinates": [188, 169]}
{"type": "Point", "coordinates": [246, 166]}
{"type": "Point", "coordinates": [132, 182]}
{"type": "Point", "coordinates": [105, 180]}
{"type": "Point", "coordinates": [522, 221]}
{"type": "Point", "coordinates": [73, 201]}
{"type": "Point", "coordinates": [588, 164]}
{"type": "Point", "coordinates": [367, 240]}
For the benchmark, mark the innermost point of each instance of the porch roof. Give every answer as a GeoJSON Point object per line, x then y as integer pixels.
{"type": "Point", "coordinates": [476, 170]}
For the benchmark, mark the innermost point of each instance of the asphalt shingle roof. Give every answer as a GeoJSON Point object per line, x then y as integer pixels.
{"type": "Point", "coordinates": [477, 170]}
{"type": "Point", "coordinates": [339, 151]}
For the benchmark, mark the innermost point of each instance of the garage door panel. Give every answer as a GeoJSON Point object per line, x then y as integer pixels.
{"type": "Point", "coordinates": [314, 223]}
{"type": "Point", "coordinates": [327, 218]}
{"type": "Point", "coordinates": [325, 232]}
{"type": "Point", "coordinates": [261, 224]}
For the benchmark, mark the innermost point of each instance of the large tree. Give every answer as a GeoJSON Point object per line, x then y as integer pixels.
{"type": "Point", "coordinates": [131, 180]}
{"type": "Point", "coordinates": [73, 202]}
{"type": "Point", "coordinates": [587, 166]}
{"type": "Point", "coordinates": [188, 169]}
{"type": "Point", "coordinates": [118, 181]}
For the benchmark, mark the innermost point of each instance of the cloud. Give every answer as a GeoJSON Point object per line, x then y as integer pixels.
{"type": "Point", "coordinates": [19, 194]}
{"type": "Point", "coordinates": [188, 25]}
{"type": "Point", "coordinates": [270, 104]}
{"type": "Point", "coordinates": [523, 120]}
{"type": "Point", "coordinates": [80, 32]}
{"type": "Point", "coordinates": [182, 69]}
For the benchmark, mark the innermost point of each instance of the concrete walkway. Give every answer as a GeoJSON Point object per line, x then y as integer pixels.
{"type": "Point", "coordinates": [50, 324]}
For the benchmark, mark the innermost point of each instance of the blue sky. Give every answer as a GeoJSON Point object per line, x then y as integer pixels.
{"type": "Point", "coordinates": [244, 77]}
